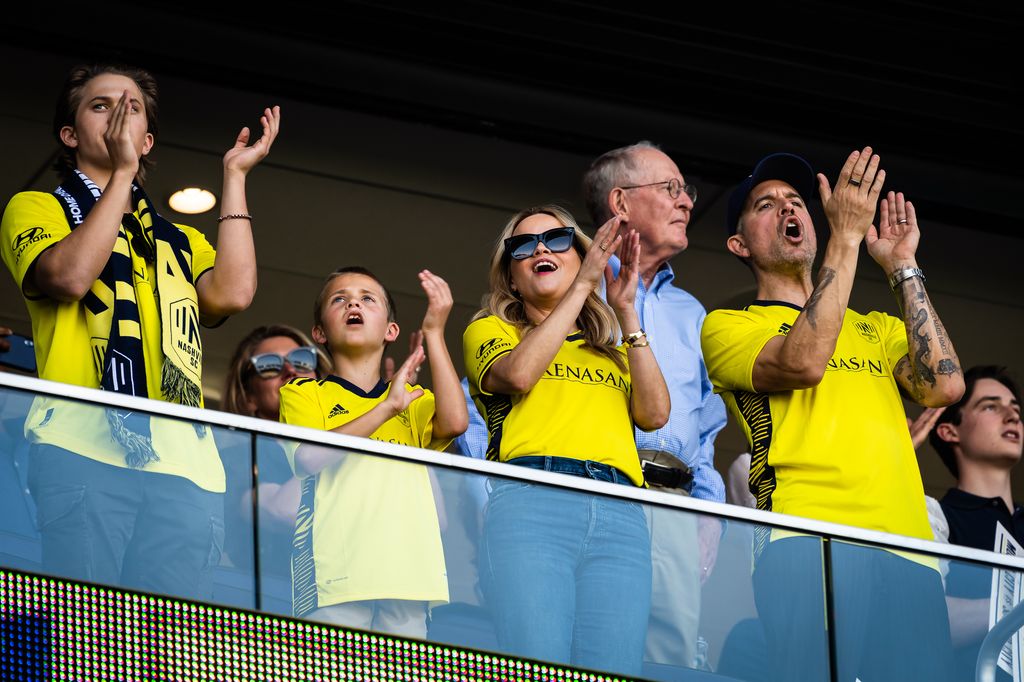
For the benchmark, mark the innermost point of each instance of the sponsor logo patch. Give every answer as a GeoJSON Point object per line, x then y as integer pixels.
{"type": "Point", "coordinates": [26, 238]}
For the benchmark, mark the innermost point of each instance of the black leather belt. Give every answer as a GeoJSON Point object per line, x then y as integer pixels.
{"type": "Point", "coordinates": [666, 477]}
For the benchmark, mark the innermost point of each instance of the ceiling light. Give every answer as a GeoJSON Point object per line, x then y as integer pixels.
{"type": "Point", "coordinates": [192, 200]}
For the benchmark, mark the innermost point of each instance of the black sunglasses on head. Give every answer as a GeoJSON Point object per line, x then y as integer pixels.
{"type": "Point", "coordinates": [269, 365]}
{"type": "Point", "coordinates": [557, 240]}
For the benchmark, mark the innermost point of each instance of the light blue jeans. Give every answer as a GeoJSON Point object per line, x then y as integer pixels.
{"type": "Point", "coordinates": [567, 575]}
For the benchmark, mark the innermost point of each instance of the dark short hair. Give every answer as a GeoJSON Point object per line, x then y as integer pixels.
{"type": "Point", "coordinates": [318, 319]}
{"type": "Point", "coordinates": [71, 96]}
{"type": "Point", "coordinates": [954, 413]}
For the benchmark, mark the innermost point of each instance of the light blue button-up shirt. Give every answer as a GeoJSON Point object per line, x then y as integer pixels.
{"type": "Point", "coordinates": [672, 319]}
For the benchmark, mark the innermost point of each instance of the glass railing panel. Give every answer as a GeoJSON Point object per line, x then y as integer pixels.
{"type": "Point", "coordinates": [911, 616]}
{"type": "Point", "coordinates": [553, 567]}
{"type": "Point", "coordinates": [277, 503]}
{"type": "Point", "coordinates": [529, 568]}
{"type": "Point", "coordinates": [763, 611]}
{"type": "Point", "coordinates": [75, 505]}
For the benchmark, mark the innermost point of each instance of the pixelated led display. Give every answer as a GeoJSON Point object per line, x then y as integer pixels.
{"type": "Point", "coordinates": [53, 629]}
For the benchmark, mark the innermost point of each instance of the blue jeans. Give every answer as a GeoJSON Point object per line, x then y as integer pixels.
{"type": "Point", "coordinates": [566, 574]}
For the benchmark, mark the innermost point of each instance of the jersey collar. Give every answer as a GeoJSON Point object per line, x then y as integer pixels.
{"type": "Point", "coordinates": [375, 392]}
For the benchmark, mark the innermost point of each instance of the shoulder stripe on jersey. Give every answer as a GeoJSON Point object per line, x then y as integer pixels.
{"type": "Point", "coordinates": [304, 592]}
{"type": "Point", "coordinates": [755, 408]}
{"type": "Point", "coordinates": [298, 381]}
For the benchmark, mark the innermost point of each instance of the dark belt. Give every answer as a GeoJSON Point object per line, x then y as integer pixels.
{"type": "Point", "coordinates": [677, 475]}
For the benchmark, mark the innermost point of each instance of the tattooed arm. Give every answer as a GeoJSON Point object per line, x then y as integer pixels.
{"type": "Point", "coordinates": [930, 373]}
{"type": "Point", "coordinates": [798, 360]}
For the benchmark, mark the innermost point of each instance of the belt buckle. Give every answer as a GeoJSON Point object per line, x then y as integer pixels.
{"type": "Point", "coordinates": [666, 477]}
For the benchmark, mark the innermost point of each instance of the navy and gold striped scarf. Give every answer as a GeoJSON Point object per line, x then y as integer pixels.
{"type": "Point", "coordinates": [112, 313]}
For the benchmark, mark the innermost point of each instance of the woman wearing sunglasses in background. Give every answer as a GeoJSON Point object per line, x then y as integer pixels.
{"type": "Point", "coordinates": [264, 361]}
{"type": "Point", "coordinates": [567, 576]}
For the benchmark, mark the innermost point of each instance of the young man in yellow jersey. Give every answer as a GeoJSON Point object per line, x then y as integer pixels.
{"type": "Point", "coordinates": [367, 549]}
{"type": "Point", "coordinates": [117, 294]}
{"type": "Point", "coordinates": [816, 388]}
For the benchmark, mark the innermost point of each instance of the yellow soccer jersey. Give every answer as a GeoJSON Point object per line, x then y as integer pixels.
{"type": "Point", "coordinates": [367, 527]}
{"type": "Point", "coordinates": [579, 408]}
{"type": "Point", "coordinates": [32, 223]}
{"type": "Point", "coordinates": [838, 452]}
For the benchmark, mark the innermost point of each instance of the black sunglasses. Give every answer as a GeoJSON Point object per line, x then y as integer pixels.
{"type": "Point", "coordinates": [522, 246]}
{"type": "Point", "coordinates": [136, 235]}
{"type": "Point", "coordinates": [269, 365]}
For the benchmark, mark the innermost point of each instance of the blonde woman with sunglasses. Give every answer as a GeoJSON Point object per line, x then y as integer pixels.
{"type": "Point", "coordinates": [566, 575]}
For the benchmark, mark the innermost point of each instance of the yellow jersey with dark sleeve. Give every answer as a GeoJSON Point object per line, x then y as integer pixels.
{"type": "Point", "coordinates": [840, 451]}
{"type": "Point", "coordinates": [578, 409]}
{"type": "Point", "coordinates": [65, 352]}
{"type": "Point", "coordinates": [367, 527]}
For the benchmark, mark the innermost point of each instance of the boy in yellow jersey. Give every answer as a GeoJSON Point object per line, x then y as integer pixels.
{"type": "Point", "coordinates": [367, 549]}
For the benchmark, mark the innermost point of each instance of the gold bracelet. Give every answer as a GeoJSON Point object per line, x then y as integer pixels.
{"type": "Point", "coordinates": [246, 216]}
{"type": "Point", "coordinates": [634, 340]}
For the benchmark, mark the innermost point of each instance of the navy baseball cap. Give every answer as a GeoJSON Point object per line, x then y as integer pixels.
{"type": "Point", "coordinates": [789, 168]}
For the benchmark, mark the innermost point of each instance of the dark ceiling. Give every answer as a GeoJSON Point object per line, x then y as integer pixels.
{"type": "Point", "coordinates": [933, 85]}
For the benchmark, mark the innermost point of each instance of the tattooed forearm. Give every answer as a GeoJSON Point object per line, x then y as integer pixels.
{"type": "Point", "coordinates": [905, 378]}
{"type": "Point", "coordinates": [940, 331]}
{"type": "Point", "coordinates": [825, 277]}
{"type": "Point", "coordinates": [920, 344]}
{"type": "Point", "coordinates": [928, 341]}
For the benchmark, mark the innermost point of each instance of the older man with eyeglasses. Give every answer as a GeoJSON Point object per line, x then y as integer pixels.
{"type": "Point", "coordinates": [643, 186]}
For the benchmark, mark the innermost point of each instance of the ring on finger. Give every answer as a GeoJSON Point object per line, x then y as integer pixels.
{"type": "Point", "coordinates": [855, 183]}
{"type": "Point", "coordinates": [901, 221]}
{"type": "Point", "coordinates": [604, 246]}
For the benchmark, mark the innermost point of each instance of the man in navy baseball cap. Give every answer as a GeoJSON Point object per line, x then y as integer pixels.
{"type": "Point", "coordinates": [817, 390]}
{"type": "Point", "coordinates": [789, 168]}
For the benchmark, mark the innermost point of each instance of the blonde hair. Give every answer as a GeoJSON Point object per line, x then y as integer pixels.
{"type": "Point", "coordinates": [596, 320]}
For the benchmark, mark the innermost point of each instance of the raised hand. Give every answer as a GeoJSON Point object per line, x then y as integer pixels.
{"type": "Point", "coordinates": [922, 426]}
{"type": "Point", "coordinates": [124, 155]}
{"type": "Point", "coordinates": [894, 243]}
{"type": "Point", "coordinates": [243, 157]}
{"type": "Point", "coordinates": [621, 290]}
{"type": "Point", "coordinates": [398, 398]}
{"type": "Point", "coordinates": [439, 302]}
{"type": "Point", "coordinates": [415, 341]}
{"type": "Point", "coordinates": [606, 242]}
{"type": "Point", "coordinates": [850, 207]}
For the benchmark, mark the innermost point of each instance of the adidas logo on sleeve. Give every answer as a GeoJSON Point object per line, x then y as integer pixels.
{"type": "Point", "coordinates": [337, 410]}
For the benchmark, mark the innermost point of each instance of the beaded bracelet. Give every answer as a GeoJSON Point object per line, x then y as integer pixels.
{"type": "Point", "coordinates": [246, 216]}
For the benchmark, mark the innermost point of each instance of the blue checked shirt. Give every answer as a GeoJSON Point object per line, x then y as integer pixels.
{"type": "Point", "coordinates": [672, 319]}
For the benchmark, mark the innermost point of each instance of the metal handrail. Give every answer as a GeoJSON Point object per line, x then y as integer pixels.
{"type": "Point", "coordinates": [992, 645]}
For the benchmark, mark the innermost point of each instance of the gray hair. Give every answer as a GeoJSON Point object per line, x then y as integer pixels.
{"type": "Point", "coordinates": [606, 172]}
